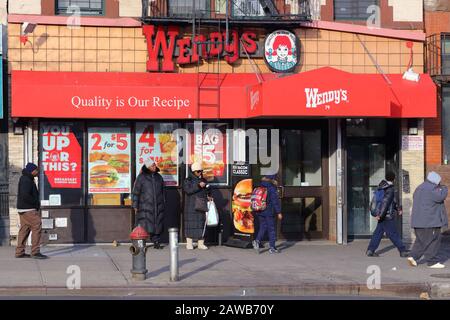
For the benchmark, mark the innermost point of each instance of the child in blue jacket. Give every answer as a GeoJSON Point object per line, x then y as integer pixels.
{"type": "Point", "coordinates": [267, 217]}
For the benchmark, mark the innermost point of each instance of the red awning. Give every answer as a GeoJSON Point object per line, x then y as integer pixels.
{"type": "Point", "coordinates": [329, 92]}
{"type": "Point", "coordinates": [324, 92]}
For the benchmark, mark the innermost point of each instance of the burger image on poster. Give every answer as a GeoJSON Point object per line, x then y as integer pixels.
{"type": "Point", "coordinates": [242, 213]}
{"type": "Point", "coordinates": [102, 176]}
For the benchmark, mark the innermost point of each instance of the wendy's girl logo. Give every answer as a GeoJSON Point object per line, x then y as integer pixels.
{"type": "Point", "coordinates": [281, 51]}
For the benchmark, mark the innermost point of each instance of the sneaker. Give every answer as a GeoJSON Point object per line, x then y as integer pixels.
{"type": "Point", "coordinates": [274, 250]}
{"type": "Point", "coordinates": [370, 253]}
{"type": "Point", "coordinates": [38, 256]}
{"type": "Point", "coordinates": [256, 245]}
{"type": "Point", "coordinates": [23, 255]}
{"type": "Point", "coordinates": [412, 262]}
{"type": "Point", "coordinates": [404, 254]}
{"type": "Point", "coordinates": [437, 266]}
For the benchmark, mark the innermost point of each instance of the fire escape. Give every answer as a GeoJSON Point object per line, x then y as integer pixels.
{"type": "Point", "coordinates": [202, 16]}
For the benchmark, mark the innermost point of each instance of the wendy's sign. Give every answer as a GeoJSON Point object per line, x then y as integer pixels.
{"type": "Point", "coordinates": [168, 42]}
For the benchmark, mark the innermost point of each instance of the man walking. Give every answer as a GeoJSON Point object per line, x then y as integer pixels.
{"type": "Point", "coordinates": [30, 219]}
{"type": "Point", "coordinates": [428, 217]}
{"type": "Point", "coordinates": [386, 216]}
{"type": "Point", "coordinates": [149, 201]}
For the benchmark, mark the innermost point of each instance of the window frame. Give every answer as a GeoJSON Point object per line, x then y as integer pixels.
{"type": "Point", "coordinates": [62, 11]}
{"type": "Point", "coordinates": [352, 18]}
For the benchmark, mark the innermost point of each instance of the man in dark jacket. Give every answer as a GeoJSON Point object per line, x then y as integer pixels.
{"type": "Point", "coordinates": [266, 217]}
{"type": "Point", "coordinates": [30, 220]}
{"type": "Point", "coordinates": [149, 201]}
{"type": "Point", "coordinates": [386, 217]}
{"type": "Point", "coordinates": [427, 219]}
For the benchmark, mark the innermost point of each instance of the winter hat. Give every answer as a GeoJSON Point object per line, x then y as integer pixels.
{"type": "Point", "coordinates": [30, 167]}
{"type": "Point", "coordinates": [434, 177]}
{"type": "Point", "coordinates": [196, 166]}
{"type": "Point", "coordinates": [149, 162]}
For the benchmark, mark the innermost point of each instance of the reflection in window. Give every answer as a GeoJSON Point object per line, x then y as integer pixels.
{"type": "Point", "coordinates": [302, 217]}
{"type": "Point", "coordinates": [353, 9]}
{"type": "Point", "coordinates": [88, 7]}
{"type": "Point", "coordinates": [302, 158]}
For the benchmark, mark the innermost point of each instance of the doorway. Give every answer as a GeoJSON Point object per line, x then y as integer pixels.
{"type": "Point", "coordinates": [372, 150]}
{"type": "Point", "coordinates": [302, 177]}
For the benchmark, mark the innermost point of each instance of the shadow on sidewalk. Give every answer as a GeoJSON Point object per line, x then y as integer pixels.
{"type": "Point", "coordinates": [444, 250]}
{"type": "Point", "coordinates": [65, 250]}
{"type": "Point", "coordinates": [167, 268]}
{"type": "Point", "coordinates": [205, 267]}
{"type": "Point", "coordinates": [386, 249]}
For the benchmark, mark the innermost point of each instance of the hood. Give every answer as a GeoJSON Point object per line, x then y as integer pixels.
{"type": "Point", "coordinates": [267, 184]}
{"type": "Point", "coordinates": [384, 184]}
{"type": "Point", "coordinates": [26, 173]}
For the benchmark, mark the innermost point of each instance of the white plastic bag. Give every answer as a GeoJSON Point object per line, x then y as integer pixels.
{"type": "Point", "coordinates": [212, 216]}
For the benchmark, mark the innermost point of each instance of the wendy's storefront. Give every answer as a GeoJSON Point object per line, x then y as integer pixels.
{"type": "Point", "coordinates": [331, 134]}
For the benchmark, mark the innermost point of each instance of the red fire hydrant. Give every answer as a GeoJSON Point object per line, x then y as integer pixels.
{"type": "Point", "coordinates": [138, 249]}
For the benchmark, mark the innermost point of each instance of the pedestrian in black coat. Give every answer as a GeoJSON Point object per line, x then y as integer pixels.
{"type": "Point", "coordinates": [149, 201]}
{"type": "Point", "coordinates": [195, 187]}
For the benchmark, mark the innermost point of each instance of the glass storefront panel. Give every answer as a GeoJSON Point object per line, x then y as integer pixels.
{"type": "Point", "coordinates": [302, 217]}
{"type": "Point", "coordinates": [302, 158]}
{"type": "Point", "coordinates": [61, 174]}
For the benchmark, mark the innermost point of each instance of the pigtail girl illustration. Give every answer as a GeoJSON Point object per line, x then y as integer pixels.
{"type": "Point", "coordinates": [281, 55]}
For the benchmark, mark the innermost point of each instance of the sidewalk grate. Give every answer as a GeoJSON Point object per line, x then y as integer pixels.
{"type": "Point", "coordinates": [441, 275]}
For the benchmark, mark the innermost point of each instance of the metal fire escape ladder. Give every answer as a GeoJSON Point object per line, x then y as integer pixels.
{"type": "Point", "coordinates": [269, 7]}
{"type": "Point", "coordinates": [208, 83]}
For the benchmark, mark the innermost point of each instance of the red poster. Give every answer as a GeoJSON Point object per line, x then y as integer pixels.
{"type": "Point", "coordinates": [61, 156]}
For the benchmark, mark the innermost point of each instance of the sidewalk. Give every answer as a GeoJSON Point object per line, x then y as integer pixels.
{"type": "Point", "coordinates": [304, 268]}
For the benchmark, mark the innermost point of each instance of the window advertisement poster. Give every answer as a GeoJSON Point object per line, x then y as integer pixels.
{"type": "Point", "coordinates": [109, 160]}
{"type": "Point", "coordinates": [61, 156]}
{"type": "Point", "coordinates": [243, 218]}
{"type": "Point", "coordinates": [158, 142]}
{"type": "Point", "coordinates": [209, 145]}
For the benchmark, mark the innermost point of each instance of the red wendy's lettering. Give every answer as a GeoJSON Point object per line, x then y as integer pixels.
{"type": "Point", "coordinates": [165, 41]}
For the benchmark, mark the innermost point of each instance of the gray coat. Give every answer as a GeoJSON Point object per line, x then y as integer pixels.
{"type": "Point", "coordinates": [428, 206]}
{"type": "Point", "coordinates": [194, 221]}
{"type": "Point", "coordinates": [149, 200]}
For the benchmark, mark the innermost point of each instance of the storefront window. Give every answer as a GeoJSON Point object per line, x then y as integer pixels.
{"type": "Point", "coordinates": [302, 158]}
{"type": "Point", "coordinates": [209, 146]}
{"type": "Point", "coordinates": [61, 174]}
{"type": "Point", "coordinates": [87, 7]}
{"type": "Point", "coordinates": [158, 142]}
{"type": "Point", "coordinates": [109, 167]}
{"type": "Point", "coordinates": [366, 127]}
{"type": "Point", "coordinates": [353, 9]}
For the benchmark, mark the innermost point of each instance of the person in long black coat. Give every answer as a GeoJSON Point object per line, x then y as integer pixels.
{"type": "Point", "coordinates": [195, 186]}
{"type": "Point", "coordinates": [149, 201]}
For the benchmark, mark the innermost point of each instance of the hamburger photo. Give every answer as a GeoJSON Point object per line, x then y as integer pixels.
{"type": "Point", "coordinates": [242, 212]}
{"type": "Point", "coordinates": [103, 176]}
{"type": "Point", "coordinates": [121, 162]}
{"type": "Point", "coordinates": [166, 166]}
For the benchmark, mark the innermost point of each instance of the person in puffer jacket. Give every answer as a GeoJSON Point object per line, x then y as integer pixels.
{"type": "Point", "coordinates": [386, 217]}
{"type": "Point", "coordinates": [267, 217]}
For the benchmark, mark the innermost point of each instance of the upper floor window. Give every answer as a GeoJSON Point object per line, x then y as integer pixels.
{"type": "Point", "coordinates": [353, 9]}
{"type": "Point", "coordinates": [85, 7]}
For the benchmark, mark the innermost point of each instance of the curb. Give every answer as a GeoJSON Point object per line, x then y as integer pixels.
{"type": "Point", "coordinates": [404, 290]}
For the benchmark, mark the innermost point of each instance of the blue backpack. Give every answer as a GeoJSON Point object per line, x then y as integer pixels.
{"type": "Point", "coordinates": [375, 203]}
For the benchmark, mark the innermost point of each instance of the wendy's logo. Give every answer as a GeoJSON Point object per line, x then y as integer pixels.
{"type": "Point", "coordinates": [281, 51]}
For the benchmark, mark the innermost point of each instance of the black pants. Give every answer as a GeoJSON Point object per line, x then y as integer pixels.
{"type": "Point", "coordinates": [428, 241]}
{"type": "Point", "coordinates": [156, 238]}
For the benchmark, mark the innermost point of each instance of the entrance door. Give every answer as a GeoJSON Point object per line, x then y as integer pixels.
{"type": "Point", "coordinates": [371, 151]}
{"type": "Point", "coordinates": [303, 178]}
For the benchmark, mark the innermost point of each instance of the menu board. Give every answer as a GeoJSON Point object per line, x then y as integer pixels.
{"type": "Point", "coordinates": [209, 146]}
{"type": "Point", "coordinates": [109, 160]}
{"type": "Point", "coordinates": [61, 156]}
{"type": "Point", "coordinates": [157, 141]}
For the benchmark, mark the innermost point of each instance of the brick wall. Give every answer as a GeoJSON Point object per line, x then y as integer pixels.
{"type": "Point", "coordinates": [433, 139]}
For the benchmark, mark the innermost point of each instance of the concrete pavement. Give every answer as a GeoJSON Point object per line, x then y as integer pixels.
{"type": "Point", "coordinates": [302, 269]}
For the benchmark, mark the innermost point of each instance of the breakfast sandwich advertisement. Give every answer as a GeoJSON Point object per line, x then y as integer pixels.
{"type": "Point", "coordinates": [109, 160]}
{"type": "Point", "coordinates": [156, 141]}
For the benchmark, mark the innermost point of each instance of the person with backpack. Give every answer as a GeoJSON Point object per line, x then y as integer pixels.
{"type": "Point", "coordinates": [266, 199]}
{"type": "Point", "coordinates": [385, 209]}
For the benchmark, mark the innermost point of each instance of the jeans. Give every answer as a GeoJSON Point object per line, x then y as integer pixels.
{"type": "Point", "coordinates": [388, 226]}
{"type": "Point", "coordinates": [267, 224]}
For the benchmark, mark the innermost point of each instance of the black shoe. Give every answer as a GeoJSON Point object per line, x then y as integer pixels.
{"type": "Point", "coordinates": [157, 246]}
{"type": "Point", "coordinates": [23, 255]}
{"type": "Point", "coordinates": [39, 256]}
{"type": "Point", "coordinates": [404, 254]}
{"type": "Point", "coordinates": [370, 253]}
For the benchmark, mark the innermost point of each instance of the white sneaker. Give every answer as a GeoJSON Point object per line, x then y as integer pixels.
{"type": "Point", "coordinates": [412, 262]}
{"type": "Point", "coordinates": [437, 266]}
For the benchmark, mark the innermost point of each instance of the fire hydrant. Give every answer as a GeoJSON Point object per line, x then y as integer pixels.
{"type": "Point", "coordinates": [138, 249]}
